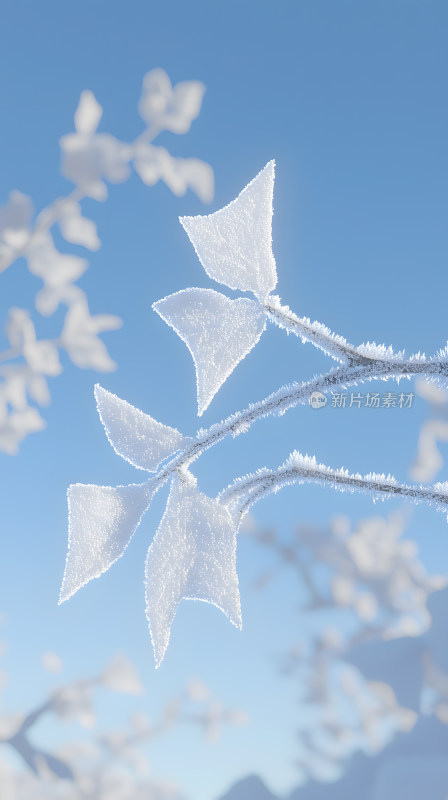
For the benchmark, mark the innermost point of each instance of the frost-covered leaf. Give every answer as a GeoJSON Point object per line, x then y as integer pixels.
{"type": "Point", "coordinates": [57, 270]}
{"type": "Point", "coordinates": [429, 459]}
{"type": "Point", "coordinates": [102, 521]}
{"type": "Point", "coordinates": [16, 426]}
{"type": "Point", "coordinates": [42, 357]}
{"type": "Point", "coordinates": [166, 108]}
{"type": "Point", "coordinates": [136, 436]}
{"type": "Point", "coordinates": [89, 157]}
{"type": "Point", "coordinates": [218, 332]}
{"type": "Point", "coordinates": [88, 113]}
{"type": "Point", "coordinates": [80, 336]}
{"type": "Point", "coordinates": [13, 390]}
{"type": "Point", "coordinates": [20, 328]}
{"type": "Point", "coordinates": [75, 228]}
{"type": "Point", "coordinates": [193, 556]}
{"type": "Point", "coordinates": [156, 163]}
{"type": "Point", "coordinates": [234, 244]}
{"type": "Point", "coordinates": [86, 160]}
{"type": "Point", "coordinates": [15, 219]}
{"type": "Point", "coordinates": [153, 164]}
{"type": "Point", "coordinates": [198, 176]}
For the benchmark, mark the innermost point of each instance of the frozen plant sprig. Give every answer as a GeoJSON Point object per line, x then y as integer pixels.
{"type": "Point", "coordinates": [193, 555]}
{"type": "Point", "coordinates": [246, 491]}
{"type": "Point", "coordinates": [234, 246]}
{"type": "Point", "coordinates": [89, 159]}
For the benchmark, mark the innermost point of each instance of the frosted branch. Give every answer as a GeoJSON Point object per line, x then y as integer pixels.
{"type": "Point", "coordinates": [331, 343]}
{"type": "Point", "coordinates": [288, 397]}
{"type": "Point", "coordinates": [234, 245]}
{"type": "Point", "coordinates": [244, 492]}
{"type": "Point", "coordinates": [193, 553]}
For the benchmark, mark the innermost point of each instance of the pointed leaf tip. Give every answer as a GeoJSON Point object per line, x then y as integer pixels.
{"type": "Point", "coordinates": [135, 436]}
{"type": "Point", "coordinates": [218, 332]}
{"type": "Point", "coordinates": [234, 245]}
{"type": "Point", "coordinates": [193, 556]}
{"type": "Point", "coordinates": [102, 521]}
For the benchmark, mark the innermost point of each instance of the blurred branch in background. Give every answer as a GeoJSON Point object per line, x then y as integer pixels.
{"type": "Point", "coordinates": [428, 461]}
{"type": "Point", "coordinates": [89, 159]}
{"type": "Point", "coordinates": [366, 596]}
{"type": "Point", "coordinates": [112, 765]}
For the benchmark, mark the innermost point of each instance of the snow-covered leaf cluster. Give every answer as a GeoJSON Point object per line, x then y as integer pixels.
{"type": "Point", "coordinates": [193, 553]}
{"type": "Point", "coordinates": [90, 160]}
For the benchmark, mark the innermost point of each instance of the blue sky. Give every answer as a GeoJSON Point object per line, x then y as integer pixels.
{"type": "Point", "coordinates": [350, 99]}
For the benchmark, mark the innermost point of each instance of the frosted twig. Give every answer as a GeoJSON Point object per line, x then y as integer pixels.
{"type": "Point", "coordinates": [245, 491]}
{"type": "Point", "coordinates": [331, 343]}
{"type": "Point", "coordinates": [288, 397]}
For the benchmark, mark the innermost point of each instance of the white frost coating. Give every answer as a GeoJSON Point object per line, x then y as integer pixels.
{"type": "Point", "coordinates": [247, 490]}
{"type": "Point", "coordinates": [382, 352]}
{"type": "Point", "coordinates": [102, 521]}
{"type": "Point", "coordinates": [136, 436]}
{"type": "Point", "coordinates": [234, 245]}
{"type": "Point", "coordinates": [193, 556]}
{"type": "Point", "coordinates": [218, 332]}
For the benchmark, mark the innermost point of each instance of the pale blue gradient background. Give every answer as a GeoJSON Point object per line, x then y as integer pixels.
{"type": "Point", "coordinates": [350, 99]}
